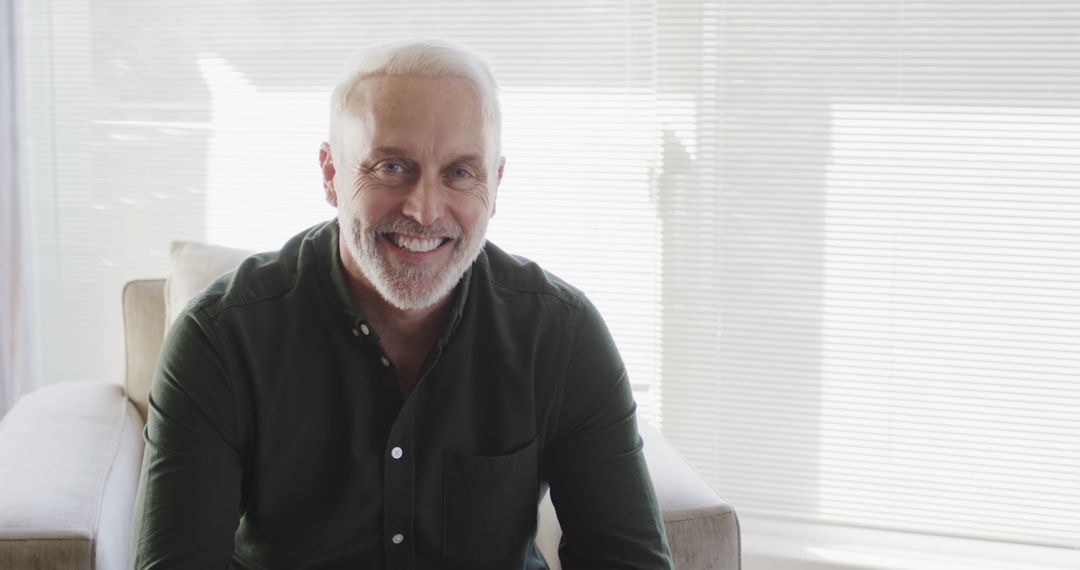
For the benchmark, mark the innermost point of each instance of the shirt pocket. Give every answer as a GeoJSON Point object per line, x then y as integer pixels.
{"type": "Point", "coordinates": [489, 505]}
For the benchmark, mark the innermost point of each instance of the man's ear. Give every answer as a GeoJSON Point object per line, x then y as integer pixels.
{"type": "Point", "coordinates": [498, 181]}
{"type": "Point", "coordinates": [326, 164]}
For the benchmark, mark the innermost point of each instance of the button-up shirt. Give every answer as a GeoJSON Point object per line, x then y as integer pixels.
{"type": "Point", "coordinates": [278, 436]}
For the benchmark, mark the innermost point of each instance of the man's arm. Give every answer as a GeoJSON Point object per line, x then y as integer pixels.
{"type": "Point", "coordinates": [600, 486]}
{"type": "Point", "coordinates": [188, 503]}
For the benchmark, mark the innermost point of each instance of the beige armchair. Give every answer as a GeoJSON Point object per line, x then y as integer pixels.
{"type": "Point", "coordinates": [70, 456]}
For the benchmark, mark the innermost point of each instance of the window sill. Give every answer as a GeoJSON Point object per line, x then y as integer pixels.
{"type": "Point", "coordinates": [770, 543]}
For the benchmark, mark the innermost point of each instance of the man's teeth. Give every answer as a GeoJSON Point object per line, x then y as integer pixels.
{"type": "Point", "coordinates": [416, 244]}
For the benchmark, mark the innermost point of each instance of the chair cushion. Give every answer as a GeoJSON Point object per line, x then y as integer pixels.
{"type": "Point", "coordinates": [71, 452]}
{"type": "Point", "coordinates": [193, 266]}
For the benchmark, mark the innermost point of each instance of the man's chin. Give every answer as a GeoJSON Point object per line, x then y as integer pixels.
{"type": "Point", "coordinates": [412, 291]}
{"type": "Point", "coordinates": [410, 287]}
{"type": "Point", "coordinates": [415, 300]}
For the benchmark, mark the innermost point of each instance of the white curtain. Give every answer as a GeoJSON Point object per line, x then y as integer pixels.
{"type": "Point", "coordinates": [16, 371]}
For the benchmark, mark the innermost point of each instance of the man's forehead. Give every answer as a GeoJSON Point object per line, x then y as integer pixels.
{"type": "Point", "coordinates": [382, 91]}
{"type": "Point", "coordinates": [408, 115]}
{"type": "Point", "coordinates": [383, 139]}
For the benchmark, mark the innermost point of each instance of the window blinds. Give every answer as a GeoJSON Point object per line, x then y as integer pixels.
{"type": "Point", "coordinates": [881, 326]}
{"type": "Point", "coordinates": [154, 121]}
{"type": "Point", "coordinates": [837, 242]}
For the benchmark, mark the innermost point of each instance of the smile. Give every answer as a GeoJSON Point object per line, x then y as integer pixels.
{"type": "Point", "coordinates": [416, 244]}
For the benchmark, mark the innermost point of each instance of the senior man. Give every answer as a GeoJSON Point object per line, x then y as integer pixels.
{"type": "Point", "coordinates": [389, 390]}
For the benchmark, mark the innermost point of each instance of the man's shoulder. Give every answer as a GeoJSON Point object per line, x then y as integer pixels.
{"type": "Point", "coordinates": [261, 277]}
{"type": "Point", "coordinates": [515, 275]}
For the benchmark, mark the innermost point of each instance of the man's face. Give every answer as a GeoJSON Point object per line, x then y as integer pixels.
{"type": "Point", "coordinates": [411, 186]}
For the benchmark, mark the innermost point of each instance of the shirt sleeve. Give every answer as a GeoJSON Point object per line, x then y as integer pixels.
{"type": "Point", "coordinates": [600, 485]}
{"type": "Point", "coordinates": [188, 504]}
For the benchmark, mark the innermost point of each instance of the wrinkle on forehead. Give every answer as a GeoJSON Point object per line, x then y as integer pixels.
{"type": "Point", "coordinates": [429, 116]}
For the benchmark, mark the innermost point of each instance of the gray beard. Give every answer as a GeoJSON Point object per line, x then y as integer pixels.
{"type": "Point", "coordinates": [407, 287]}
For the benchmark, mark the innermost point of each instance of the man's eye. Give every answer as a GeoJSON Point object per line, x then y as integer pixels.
{"type": "Point", "coordinates": [391, 168]}
{"type": "Point", "coordinates": [460, 173]}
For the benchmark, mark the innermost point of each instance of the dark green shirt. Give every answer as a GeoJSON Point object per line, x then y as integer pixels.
{"type": "Point", "coordinates": [278, 436]}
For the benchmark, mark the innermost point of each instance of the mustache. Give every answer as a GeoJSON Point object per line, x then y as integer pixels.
{"type": "Point", "coordinates": [403, 225]}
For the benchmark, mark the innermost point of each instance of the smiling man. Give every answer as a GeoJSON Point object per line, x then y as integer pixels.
{"type": "Point", "coordinates": [390, 390]}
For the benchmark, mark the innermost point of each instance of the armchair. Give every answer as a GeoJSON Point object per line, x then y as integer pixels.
{"type": "Point", "coordinates": [71, 452]}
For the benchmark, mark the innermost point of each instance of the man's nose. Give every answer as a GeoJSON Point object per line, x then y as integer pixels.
{"type": "Point", "coordinates": [425, 201]}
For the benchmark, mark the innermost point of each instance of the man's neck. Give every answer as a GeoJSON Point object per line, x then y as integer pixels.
{"type": "Point", "coordinates": [391, 321]}
{"type": "Point", "coordinates": [406, 335]}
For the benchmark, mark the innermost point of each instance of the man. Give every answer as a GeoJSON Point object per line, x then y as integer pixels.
{"type": "Point", "coordinates": [389, 390]}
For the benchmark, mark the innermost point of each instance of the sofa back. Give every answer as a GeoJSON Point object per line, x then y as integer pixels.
{"type": "Point", "coordinates": [144, 330]}
{"type": "Point", "coordinates": [151, 305]}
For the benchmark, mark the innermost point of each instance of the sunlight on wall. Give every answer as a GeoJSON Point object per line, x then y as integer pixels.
{"type": "Point", "coordinates": [565, 181]}
{"type": "Point", "coordinates": [263, 183]}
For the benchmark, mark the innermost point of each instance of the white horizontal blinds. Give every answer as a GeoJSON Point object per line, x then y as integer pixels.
{"type": "Point", "coordinates": [149, 121]}
{"type": "Point", "coordinates": [895, 289]}
{"type": "Point", "coordinates": [689, 204]}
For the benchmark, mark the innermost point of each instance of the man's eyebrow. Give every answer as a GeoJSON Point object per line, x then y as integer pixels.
{"type": "Point", "coordinates": [470, 157]}
{"type": "Point", "coordinates": [387, 151]}
{"type": "Point", "coordinates": [395, 151]}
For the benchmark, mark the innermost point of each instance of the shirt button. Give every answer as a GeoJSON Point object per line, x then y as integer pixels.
{"type": "Point", "coordinates": [364, 329]}
{"type": "Point", "coordinates": [385, 361]}
{"type": "Point", "coordinates": [398, 538]}
{"type": "Point", "coordinates": [396, 453]}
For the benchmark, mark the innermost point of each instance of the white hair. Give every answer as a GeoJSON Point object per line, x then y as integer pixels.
{"type": "Point", "coordinates": [423, 58]}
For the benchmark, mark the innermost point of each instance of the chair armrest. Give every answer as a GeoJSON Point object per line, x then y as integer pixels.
{"type": "Point", "coordinates": [70, 457]}
{"type": "Point", "coordinates": [702, 529]}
